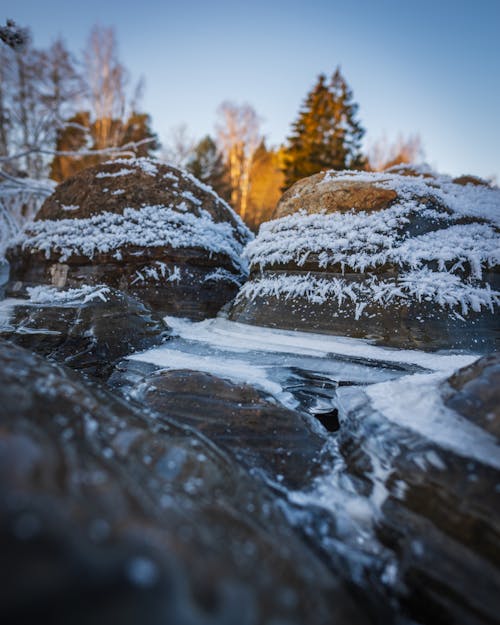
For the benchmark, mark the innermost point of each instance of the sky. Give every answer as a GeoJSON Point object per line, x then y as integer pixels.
{"type": "Point", "coordinates": [426, 67]}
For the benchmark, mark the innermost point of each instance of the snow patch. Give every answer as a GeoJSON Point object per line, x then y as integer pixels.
{"type": "Point", "coordinates": [122, 172]}
{"type": "Point", "coordinates": [48, 295]}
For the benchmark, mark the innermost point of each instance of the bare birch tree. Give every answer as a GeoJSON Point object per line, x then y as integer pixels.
{"type": "Point", "coordinates": [404, 150]}
{"type": "Point", "coordinates": [238, 133]}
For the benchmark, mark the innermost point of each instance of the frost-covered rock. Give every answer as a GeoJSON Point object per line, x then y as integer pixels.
{"type": "Point", "coordinates": [87, 328]}
{"type": "Point", "coordinates": [141, 226]}
{"type": "Point", "coordinates": [408, 258]}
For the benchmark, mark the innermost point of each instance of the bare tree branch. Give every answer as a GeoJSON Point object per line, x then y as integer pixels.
{"type": "Point", "coordinates": [128, 149]}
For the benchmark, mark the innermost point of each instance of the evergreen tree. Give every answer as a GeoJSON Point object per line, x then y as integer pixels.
{"type": "Point", "coordinates": [207, 164]}
{"type": "Point", "coordinates": [327, 134]}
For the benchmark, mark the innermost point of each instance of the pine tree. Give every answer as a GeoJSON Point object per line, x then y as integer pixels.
{"type": "Point", "coordinates": [327, 134]}
{"type": "Point", "coordinates": [207, 164]}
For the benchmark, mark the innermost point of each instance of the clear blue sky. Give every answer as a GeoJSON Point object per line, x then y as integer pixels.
{"type": "Point", "coordinates": [431, 67]}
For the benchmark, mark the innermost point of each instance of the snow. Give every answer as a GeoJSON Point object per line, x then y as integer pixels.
{"type": "Point", "coordinates": [150, 226]}
{"type": "Point", "coordinates": [107, 174]}
{"type": "Point", "coordinates": [415, 402]}
{"type": "Point", "coordinates": [48, 295]}
{"type": "Point", "coordinates": [222, 275]}
{"type": "Point", "coordinates": [145, 164]}
{"type": "Point", "coordinates": [150, 167]}
{"type": "Point", "coordinates": [158, 272]}
{"type": "Point", "coordinates": [469, 200]}
{"type": "Point", "coordinates": [445, 290]}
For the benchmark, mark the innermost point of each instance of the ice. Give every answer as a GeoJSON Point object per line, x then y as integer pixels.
{"type": "Point", "coordinates": [415, 402]}
{"type": "Point", "coordinates": [296, 368]}
{"type": "Point", "coordinates": [224, 334]}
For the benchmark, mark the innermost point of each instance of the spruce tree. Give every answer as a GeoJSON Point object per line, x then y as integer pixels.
{"type": "Point", "coordinates": [327, 134]}
{"type": "Point", "coordinates": [207, 164]}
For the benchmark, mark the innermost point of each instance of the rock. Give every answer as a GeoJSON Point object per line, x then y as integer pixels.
{"type": "Point", "coordinates": [404, 258]}
{"type": "Point", "coordinates": [109, 513]}
{"type": "Point", "coordinates": [341, 197]}
{"type": "Point", "coordinates": [474, 392]}
{"type": "Point", "coordinates": [432, 483]}
{"type": "Point", "coordinates": [140, 226]}
{"type": "Point", "coordinates": [474, 180]}
{"type": "Point", "coordinates": [87, 329]}
{"type": "Point", "coordinates": [271, 440]}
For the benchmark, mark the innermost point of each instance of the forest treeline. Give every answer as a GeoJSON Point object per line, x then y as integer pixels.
{"type": "Point", "coordinates": [60, 113]}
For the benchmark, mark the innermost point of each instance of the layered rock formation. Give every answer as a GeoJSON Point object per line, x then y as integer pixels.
{"type": "Point", "coordinates": [140, 226]}
{"type": "Point", "coordinates": [406, 258]}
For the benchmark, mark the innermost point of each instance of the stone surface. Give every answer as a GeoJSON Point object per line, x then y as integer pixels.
{"type": "Point", "coordinates": [437, 510]}
{"type": "Point", "coordinates": [339, 197]}
{"type": "Point", "coordinates": [264, 436]}
{"type": "Point", "coordinates": [140, 226]}
{"type": "Point", "coordinates": [405, 258]}
{"type": "Point", "coordinates": [109, 513]}
{"type": "Point", "coordinates": [87, 330]}
{"type": "Point", "coordinates": [475, 393]}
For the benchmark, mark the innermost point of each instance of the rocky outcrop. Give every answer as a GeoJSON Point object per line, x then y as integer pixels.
{"type": "Point", "coordinates": [405, 258]}
{"type": "Point", "coordinates": [113, 514]}
{"type": "Point", "coordinates": [88, 329]}
{"type": "Point", "coordinates": [139, 226]}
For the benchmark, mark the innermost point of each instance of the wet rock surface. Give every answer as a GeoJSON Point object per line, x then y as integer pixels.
{"type": "Point", "coordinates": [139, 226]}
{"type": "Point", "coordinates": [108, 514]}
{"type": "Point", "coordinates": [89, 329]}
{"type": "Point", "coordinates": [264, 436]}
{"type": "Point", "coordinates": [404, 258]}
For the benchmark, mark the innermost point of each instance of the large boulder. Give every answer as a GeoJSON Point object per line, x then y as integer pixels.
{"type": "Point", "coordinates": [88, 329]}
{"type": "Point", "coordinates": [111, 514]}
{"type": "Point", "coordinates": [140, 226]}
{"type": "Point", "coordinates": [406, 258]}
